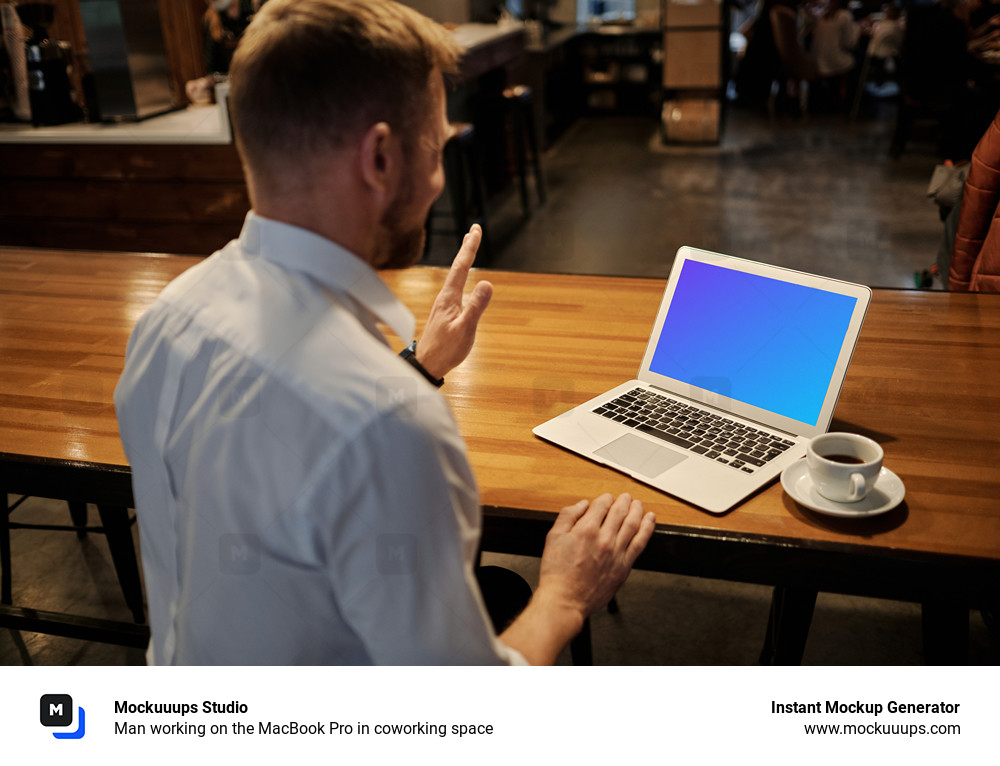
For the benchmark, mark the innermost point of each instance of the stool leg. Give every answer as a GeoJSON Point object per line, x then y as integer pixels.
{"type": "Point", "coordinates": [788, 626]}
{"type": "Point", "coordinates": [479, 202]}
{"type": "Point", "coordinates": [116, 525]}
{"type": "Point", "coordinates": [455, 177]}
{"type": "Point", "coordinates": [78, 512]}
{"type": "Point", "coordinates": [580, 648]}
{"type": "Point", "coordinates": [520, 157]}
{"type": "Point", "coordinates": [859, 91]}
{"type": "Point", "coordinates": [536, 161]}
{"type": "Point", "coordinates": [945, 629]}
{"type": "Point", "coordinates": [5, 584]}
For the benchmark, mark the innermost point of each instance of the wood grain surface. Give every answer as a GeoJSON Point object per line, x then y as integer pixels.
{"type": "Point", "coordinates": [922, 383]}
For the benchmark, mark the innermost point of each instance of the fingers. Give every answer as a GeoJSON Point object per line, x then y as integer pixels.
{"type": "Point", "coordinates": [638, 542]}
{"type": "Point", "coordinates": [633, 531]}
{"type": "Point", "coordinates": [569, 515]}
{"type": "Point", "coordinates": [598, 510]}
{"type": "Point", "coordinates": [621, 519]}
{"type": "Point", "coordinates": [617, 514]}
{"type": "Point", "coordinates": [626, 528]}
{"type": "Point", "coordinates": [477, 301]}
{"type": "Point", "coordinates": [454, 284]}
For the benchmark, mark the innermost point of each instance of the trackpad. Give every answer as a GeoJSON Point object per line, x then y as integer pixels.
{"type": "Point", "coordinates": [637, 454]}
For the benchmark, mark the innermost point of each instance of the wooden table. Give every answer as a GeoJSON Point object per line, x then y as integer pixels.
{"type": "Point", "coordinates": [922, 383]}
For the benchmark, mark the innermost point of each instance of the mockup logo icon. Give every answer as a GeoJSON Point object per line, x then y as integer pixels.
{"type": "Point", "coordinates": [396, 554]}
{"type": "Point", "coordinates": [239, 554]}
{"type": "Point", "coordinates": [57, 710]}
{"type": "Point", "coordinates": [396, 396]}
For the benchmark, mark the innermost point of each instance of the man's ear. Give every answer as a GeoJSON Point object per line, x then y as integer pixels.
{"type": "Point", "coordinates": [380, 161]}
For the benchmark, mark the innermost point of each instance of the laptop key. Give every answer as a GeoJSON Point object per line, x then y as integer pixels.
{"type": "Point", "coordinates": [750, 459]}
{"type": "Point", "coordinates": [667, 437]}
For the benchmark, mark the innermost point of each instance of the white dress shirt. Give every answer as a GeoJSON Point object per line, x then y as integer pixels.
{"type": "Point", "coordinates": [303, 494]}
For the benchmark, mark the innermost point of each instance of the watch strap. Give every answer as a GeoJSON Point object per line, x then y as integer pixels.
{"type": "Point", "coordinates": [410, 355]}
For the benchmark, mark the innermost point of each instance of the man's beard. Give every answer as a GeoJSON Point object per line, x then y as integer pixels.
{"type": "Point", "coordinates": [401, 247]}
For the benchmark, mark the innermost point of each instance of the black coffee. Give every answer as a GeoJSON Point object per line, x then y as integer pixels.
{"type": "Point", "coordinates": [844, 459]}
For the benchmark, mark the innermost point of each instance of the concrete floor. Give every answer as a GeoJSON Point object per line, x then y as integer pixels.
{"type": "Point", "coordinates": [818, 195]}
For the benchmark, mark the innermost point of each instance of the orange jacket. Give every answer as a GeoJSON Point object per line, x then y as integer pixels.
{"type": "Point", "coordinates": [975, 257]}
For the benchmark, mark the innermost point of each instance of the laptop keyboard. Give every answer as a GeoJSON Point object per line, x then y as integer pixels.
{"type": "Point", "coordinates": [694, 429]}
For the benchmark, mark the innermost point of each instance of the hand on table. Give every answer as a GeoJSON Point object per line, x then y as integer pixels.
{"type": "Point", "coordinates": [451, 327]}
{"type": "Point", "coordinates": [591, 548]}
{"type": "Point", "coordinates": [588, 554]}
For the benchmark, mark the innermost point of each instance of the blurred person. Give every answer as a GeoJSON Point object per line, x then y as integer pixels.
{"type": "Point", "coordinates": [975, 256]}
{"type": "Point", "coordinates": [774, 56]}
{"type": "Point", "coordinates": [223, 25]}
{"type": "Point", "coordinates": [835, 36]}
{"type": "Point", "coordinates": [885, 44]}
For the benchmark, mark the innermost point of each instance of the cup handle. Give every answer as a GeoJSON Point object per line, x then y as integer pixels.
{"type": "Point", "coordinates": [857, 486]}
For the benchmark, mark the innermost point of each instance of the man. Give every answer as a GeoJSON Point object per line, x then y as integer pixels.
{"type": "Point", "coordinates": [303, 493]}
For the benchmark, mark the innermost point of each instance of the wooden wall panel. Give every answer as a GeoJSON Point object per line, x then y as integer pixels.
{"type": "Point", "coordinates": [202, 238]}
{"type": "Point", "coordinates": [140, 201]}
{"type": "Point", "coordinates": [122, 162]}
{"type": "Point", "coordinates": [184, 199]}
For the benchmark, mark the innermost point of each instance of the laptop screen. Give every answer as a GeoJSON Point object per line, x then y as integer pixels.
{"type": "Point", "coordinates": [765, 342]}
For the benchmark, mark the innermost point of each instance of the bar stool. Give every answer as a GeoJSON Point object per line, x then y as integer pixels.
{"type": "Point", "coordinates": [463, 172]}
{"type": "Point", "coordinates": [116, 523]}
{"type": "Point", "coordinates": [519, 101]}
{"type": "Point", "coordinates": [506, 593]}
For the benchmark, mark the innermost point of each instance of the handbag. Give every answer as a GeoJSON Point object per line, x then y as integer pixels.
{"type": "Point", "coordinates": [947, 184]}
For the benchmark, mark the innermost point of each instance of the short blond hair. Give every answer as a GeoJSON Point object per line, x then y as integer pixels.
{"type": "Point", "coordinates": [310, 74]}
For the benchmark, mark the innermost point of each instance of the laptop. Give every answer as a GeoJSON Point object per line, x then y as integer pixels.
{"type": "Point", "coordinates": [743, 367]}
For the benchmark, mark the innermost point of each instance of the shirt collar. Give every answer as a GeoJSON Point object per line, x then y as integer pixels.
{"type": "Point", "coordinates": [297, 249]}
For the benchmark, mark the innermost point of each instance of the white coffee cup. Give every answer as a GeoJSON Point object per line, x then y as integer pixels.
{"type": "Point", "coordinates": [843, 467]}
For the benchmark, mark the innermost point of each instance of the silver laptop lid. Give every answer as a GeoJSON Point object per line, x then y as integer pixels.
{"type": "Point", "coordinates": [762, 342]}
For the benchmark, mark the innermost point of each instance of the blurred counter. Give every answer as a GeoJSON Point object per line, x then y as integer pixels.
{"type": "Point", "coordinates": [488, 47]}
{"type": "Point", "coordinates": [193, 125]}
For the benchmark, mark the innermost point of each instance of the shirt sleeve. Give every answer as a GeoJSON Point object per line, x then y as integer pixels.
{"type": "Point", "coordinates": [401, 546]}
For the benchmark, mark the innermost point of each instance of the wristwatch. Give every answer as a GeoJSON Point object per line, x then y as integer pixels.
{"type": "Point", "coordinates": [410, 355]}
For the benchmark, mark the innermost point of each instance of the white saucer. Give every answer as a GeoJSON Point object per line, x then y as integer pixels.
{"type": "Point", "coordinates": [887, 494]}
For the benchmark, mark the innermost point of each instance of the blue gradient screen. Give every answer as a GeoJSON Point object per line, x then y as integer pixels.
{"type": "Point", "coordinates": [758, 340]}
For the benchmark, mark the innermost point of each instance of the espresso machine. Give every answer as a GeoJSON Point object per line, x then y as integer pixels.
{"type": "Point", "coordinates": [49, 63]}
